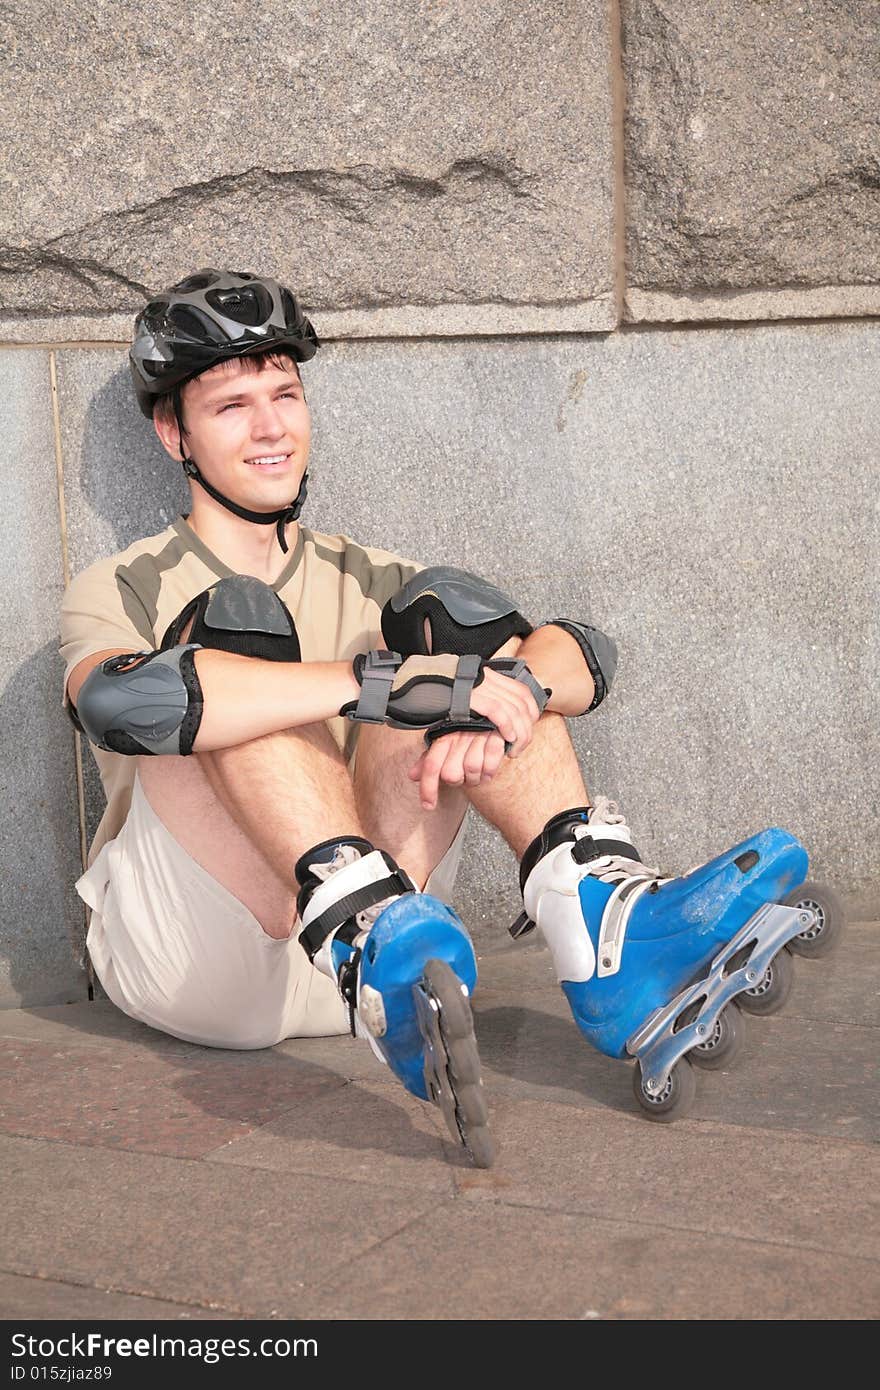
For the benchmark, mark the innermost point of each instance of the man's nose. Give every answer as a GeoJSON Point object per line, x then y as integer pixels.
{"type": "Point", "coordinates": [267, 421]}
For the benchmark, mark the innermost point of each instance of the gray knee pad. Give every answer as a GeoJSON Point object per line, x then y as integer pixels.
{"type": "Point", "coordinates": [465, 615]}
{"type": "Point", "coordinates": [241, 615]}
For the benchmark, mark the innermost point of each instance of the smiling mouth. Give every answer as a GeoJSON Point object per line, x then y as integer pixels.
{"type": "Point", "coordinates": [268, 461]}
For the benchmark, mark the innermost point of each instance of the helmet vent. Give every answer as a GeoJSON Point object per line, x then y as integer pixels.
{"type": "Point", "coordinates": [251, 305]}
{"type": "Point", "coordinates": [188, 320]}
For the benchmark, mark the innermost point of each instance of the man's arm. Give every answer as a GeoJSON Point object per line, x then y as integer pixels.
{"type": "Point", "coordinates": [244, 698]}
{"type": "Point", "coordinates": [556, 661]}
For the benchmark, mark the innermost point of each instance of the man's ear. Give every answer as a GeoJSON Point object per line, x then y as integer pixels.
{"type": "Point", "coordinates": [169, 435]}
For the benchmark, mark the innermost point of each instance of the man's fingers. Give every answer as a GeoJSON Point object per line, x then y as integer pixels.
{"type": "Point", "coordinates": [474, 760]}
{"type": "Point", "coordinates": [510, 706]}
{"type": "Point", "coordinates": [494, 756]}
{"type": "Point", "coordinates": [456, 760]}
{"type": "Point", "coordinates": [430, 764]}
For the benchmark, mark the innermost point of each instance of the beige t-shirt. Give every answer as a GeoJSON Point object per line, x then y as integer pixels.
{"type": "Point", "coordinates": [334, 588]}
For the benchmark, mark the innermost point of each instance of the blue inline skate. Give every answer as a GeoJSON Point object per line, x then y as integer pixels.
{"type": "Point", "coordinates": [405, 966]}
{"type": "Point", "coordinates": [660, 969]}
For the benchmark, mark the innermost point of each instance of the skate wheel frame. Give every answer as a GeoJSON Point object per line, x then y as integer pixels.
{"type": "Point", "coordinates": [663, 1038]}
{"type": "Point", "coordinates": [452, 1062]}
{"type": "Point", "coordinates": [671, 1101]}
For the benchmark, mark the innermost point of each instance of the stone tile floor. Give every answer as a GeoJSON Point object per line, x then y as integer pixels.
{"type": "Point", "coordinates": [148, 1178]}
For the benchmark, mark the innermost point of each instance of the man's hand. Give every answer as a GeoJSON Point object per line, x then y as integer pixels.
{"type": "Point", "coordinates": [457, 760]}
{"type": "Point", "coordinates": [465, 759]}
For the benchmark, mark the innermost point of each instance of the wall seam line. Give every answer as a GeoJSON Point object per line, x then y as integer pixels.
{"type": "Point", "coordinates": [618, 184]}
{"type": "Point", "coordinates": [65, 567]}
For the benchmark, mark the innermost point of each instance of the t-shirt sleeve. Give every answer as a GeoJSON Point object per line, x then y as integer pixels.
{"type": "Point", "coordinates": [387, 575]}
{"type": "Point", "coordinates": [99, 612]}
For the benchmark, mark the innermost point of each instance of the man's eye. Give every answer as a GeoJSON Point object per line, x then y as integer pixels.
{"type": "Point", "coordinates": [233, 405]}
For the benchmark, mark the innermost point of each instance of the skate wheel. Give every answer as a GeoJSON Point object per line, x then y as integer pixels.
{"type": "Point", "coordinates": [481, 1147]}
{"type": "Point", "coordinates": [473, 1119]}
{"type": "Point", "coordinates": [768, 994]}
{"type": "Point", "coordinates": [820, 939]}
{"type": "Point", "coordinates": [676, 1097]}
{"type": "Point", "coordinates": [723, 1043]}
{"type": "Point", "coordinates": [464, 1103]}
{"type": "Point", "coordinates": [444, 984]}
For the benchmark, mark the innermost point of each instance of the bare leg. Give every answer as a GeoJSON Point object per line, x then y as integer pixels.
{"type": "Point", "coordinates": [389, 806]}
{"type": "Point", "coordinates": [526, 791]}
{"type": "Point", "coordinates": [246, 814]}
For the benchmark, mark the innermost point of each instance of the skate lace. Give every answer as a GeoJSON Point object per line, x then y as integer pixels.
{"type": "Point", "coordinates": [344, 855]}
{"type": "Point", "coordinates": [614, 868]}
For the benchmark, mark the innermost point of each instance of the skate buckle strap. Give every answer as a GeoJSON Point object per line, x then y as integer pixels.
{"type": "Point", "coordinates": [587, 847]}
{"type": "Point", "coordinates": [615, 919]}
{"type": "Point", "coordinates": [348, 981]}
{"type": "Point", "coordinates": [522, 926]}
{"type": "Point", "coordinates": [344, 909]}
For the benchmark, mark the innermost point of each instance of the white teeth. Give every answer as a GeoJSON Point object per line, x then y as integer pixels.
{"type": "Point", "coordinates": [275, 458]}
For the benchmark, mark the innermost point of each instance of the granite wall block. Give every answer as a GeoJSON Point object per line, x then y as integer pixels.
{"type": "Point", "coordinates": [439, 168]}
{"type": "Point", "coordinates": [42, 919]}
{"type": "Point", "coordinates": [752, 179]}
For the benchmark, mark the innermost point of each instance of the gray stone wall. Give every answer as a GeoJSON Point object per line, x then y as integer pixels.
{"type": "Point", "coordinates": [752, 157]}
{"type": "Point", "coordinates": [514, 202]}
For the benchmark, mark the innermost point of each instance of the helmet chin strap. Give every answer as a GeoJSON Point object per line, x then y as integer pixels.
{"type": "Point", "coordinates": [279, 518]}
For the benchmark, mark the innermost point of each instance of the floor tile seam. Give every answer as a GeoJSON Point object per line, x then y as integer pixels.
{"type": "Point", "coordinates": [116, 1149]}
{"type": "Point", "coordinates": [92, 1041]}
{"type": "Point", "coordinates": [405, 1187]}
{"type": "Point", "coordinates": [68, 1282]}
{"type": "Point", "coordinates": [770, 1133]}
{"type": "Point", "coordinates": [346, 1265]}
{"type": "Point", "coordinates": [645, 1225]}
{"type": "Point", "coordinates": [89, 1043]}
{"type": "Point", "coordinates": [811, 1140]}
{"type": "Point", "coordinates": [203, 1158]}
{"type": "Point", "coordinates": [767, 1132]}
{"type": "Point", "coordinates": [833, 1023]}
{"type": "Point", "coordinates": [100, 1042]}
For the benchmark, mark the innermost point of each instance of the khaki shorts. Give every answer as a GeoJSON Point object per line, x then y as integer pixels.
{"type": "Point", "coordinates": [177, 950]}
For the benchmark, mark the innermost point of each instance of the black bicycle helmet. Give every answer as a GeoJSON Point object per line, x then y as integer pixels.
{"type": "Point", "coordinates": [208, 318]}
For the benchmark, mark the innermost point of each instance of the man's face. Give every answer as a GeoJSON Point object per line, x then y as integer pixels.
{"type": "Point", "coordinates": [248, 430]}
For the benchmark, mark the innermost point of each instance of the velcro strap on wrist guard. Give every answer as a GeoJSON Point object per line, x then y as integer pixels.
{"type": "Point", "coordinates": [466, 674]}
{"type": "Point", "coordinates": [376, 672]}
{"type": "Point", "coordinates": [475, 725]}
{"type": "Point", "coordinates": [416, 693]}
{"type": "Point", "coordinates": [467, 723]}
{"type": "Point", "coordinates": [517, 670]}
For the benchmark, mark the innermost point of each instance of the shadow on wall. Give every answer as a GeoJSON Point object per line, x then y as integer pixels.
{"type": "Point", "coordinates": [40, 850]}
{"type": "Point", "coordinates": [126, 480]}
{"type": "Point", "coordinates": [126, 488]}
